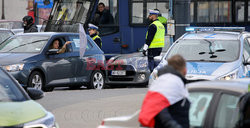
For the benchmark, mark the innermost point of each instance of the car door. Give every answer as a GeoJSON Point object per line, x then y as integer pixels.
{"type": "Point", "coordinates": [246, 57]}
{"type": "Point", "coordinates": [82, 66]}
{"type": "Point", "coordinates": [59, 66]}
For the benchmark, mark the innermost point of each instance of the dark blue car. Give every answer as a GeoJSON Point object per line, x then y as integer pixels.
{"type": "Point", "coordinates": [30, 60]}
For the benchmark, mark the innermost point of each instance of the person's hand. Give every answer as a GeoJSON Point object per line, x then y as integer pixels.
{"type": "Point", "coordinates": [145, 48]}
{"type": "Point", "coordinates": [68, 42]}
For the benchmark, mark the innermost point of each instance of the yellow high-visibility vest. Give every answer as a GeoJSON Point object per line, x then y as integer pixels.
{"type": "Point", "coordinates": [158, 40]}
{"type": "Point", "coordinates": [97, 37]}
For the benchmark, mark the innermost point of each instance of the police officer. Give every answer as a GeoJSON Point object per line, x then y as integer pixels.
{"type": "Point", "coordinates": [93, 32]}
{"type": "Point", "coordinates": [162, 19]}
{"type": "Point", "coordinates": [154, 39]}
{"type": "Point", "coordinates": [28, 25]}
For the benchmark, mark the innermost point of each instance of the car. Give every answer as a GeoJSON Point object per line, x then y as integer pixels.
{"type": "Point", "coordinates": [17, 108]}
{"type": "Point", "coordinates": [30, 60]}
{"type": "Point", "coordinates": [130, 69]}
{"type": "Point", "coordinates": [212, 53]}
{"type": "Point", "coordinates": [213, 104]}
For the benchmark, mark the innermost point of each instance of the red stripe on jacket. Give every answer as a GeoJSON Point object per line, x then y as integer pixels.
{"type": "Point", "coordinates": [153, 103]}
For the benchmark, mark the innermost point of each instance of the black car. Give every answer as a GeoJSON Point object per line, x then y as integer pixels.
{"type": "Point", "coordinates": [30, 60]}
{"type": "Point", "coordinates": [128, 69]}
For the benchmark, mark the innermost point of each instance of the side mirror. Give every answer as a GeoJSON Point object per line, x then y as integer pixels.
{"type": "Point", "coordinates": [247, 62]}
{"type": "Point", "coordinates": [35, 94]}
{"type": "Point", "coordinates": [157, 58]}
{"type": "Point", "coordinates": [52, 51]}
{"type": "Point", "coordinates": [117, 40]}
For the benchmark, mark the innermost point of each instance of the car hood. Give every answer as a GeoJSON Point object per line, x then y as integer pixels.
{"type": "Point", "coordinates": [15, 113]}
{"type": "Point", "coordinates": [14, 58]}
{"type": "Point", "coordinates": [209, 70]}
{"type": "Point", "coordinates": [133, 59]}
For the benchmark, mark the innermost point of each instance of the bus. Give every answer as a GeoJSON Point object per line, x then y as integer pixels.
{"type": "Point", "coordinates": [126, 30]}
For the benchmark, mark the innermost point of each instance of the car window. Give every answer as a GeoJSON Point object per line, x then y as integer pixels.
{"type": "Point", "coordinates": [200, 102]}
{"type": "Point", "coordinates": [4, 35]}
{"type": "Point", "coordinates": [207, 50]}
{"type": "Point", "coordinates": [8, 90]}
{"type": "Point", "coordinates": [76, 43]}
{"type": "Point", "coordinates": [246, 52]}
{"type": "Point", "coordinates": [227, 112]}
{"type": "Point", "coordinates": [24, 44]}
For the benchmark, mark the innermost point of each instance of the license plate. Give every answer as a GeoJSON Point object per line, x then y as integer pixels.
{"type": "Point", "coordinates": [118, 73]}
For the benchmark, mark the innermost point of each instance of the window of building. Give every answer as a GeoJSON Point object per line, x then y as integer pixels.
{"type": "Point", "coordinates": [213, 11]}
{"type": "Point", "coordinates": [192, 12]}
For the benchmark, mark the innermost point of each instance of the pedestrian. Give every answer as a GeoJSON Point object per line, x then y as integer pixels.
{"type": "Point", "coordinates": [28, 25]}
{"type": "Point", "coordinates": [154, 39]}
{"type": "Point", "coordinates": [94, 34]}
{"type": "Point", "coordinates": [166, 103]}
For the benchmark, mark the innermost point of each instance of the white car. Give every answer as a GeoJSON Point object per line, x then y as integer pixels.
{"type": "Point", "coordinates": [212, 53]}
{"type": "Point", "coordinates": [214, 104]}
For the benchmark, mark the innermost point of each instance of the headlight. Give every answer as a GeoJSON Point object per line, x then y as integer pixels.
{"type": "Point", "coordinates": [229, 76]}
{"type": "Point", "coordinates": [14, 67]}
{"type": "Point", "coordinates": [46, 122]}
{"type": "Point", "coordinates": [144, 65]}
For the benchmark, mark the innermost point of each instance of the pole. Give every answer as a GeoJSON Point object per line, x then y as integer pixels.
{"type": "Point", "coordinates": [3, 17]}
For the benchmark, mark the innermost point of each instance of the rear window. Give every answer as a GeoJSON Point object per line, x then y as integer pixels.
{"type": "Point", "coordinates": [207, 50]}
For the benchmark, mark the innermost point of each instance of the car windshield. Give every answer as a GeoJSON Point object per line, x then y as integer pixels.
{"type": "Point", "coordinates": [24, 44]}
{"type": "Point", "coordinates": [207, 50]}
{"type": "Point", "coordinates": [8, 89]}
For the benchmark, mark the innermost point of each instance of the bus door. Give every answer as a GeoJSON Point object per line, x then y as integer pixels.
{"type": "Point", "coordinates": [106, 17]}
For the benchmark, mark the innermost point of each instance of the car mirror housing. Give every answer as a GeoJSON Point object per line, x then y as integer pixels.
{"type": "Point", "coordinates": [247, 62]}
{"type": "Point", "coordinates": [157, 58]}
{"type": "Point", "coordinates": [35, 94]}
{"type": "Point", "coordinates": [52, 51]}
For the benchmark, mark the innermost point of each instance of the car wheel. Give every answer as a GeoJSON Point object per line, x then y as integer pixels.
{"type": "Point", "coordinates": [96, 80]}
{"type": "Point", "coordinates": [36, 80]}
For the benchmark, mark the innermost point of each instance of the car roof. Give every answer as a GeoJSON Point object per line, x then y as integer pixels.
{"type": "Point", "coordinates": [48, 33]}
{"type": "Point", "coordinates": [230, 85]}
{"type": "Point", "coordinates": [225, 35]}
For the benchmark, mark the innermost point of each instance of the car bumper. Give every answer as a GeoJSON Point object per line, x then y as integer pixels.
{"type": "Point", "coordinates": [131, 77]}
{"type": "Point", "coordinates": [20, 76]}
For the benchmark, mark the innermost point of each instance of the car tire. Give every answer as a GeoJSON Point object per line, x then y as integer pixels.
{"type": "Point", "coordinates": [36, 80]}
{"type": "Point", "coordinates": [97, 80]}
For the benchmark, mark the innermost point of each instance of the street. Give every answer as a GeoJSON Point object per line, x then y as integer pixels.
{"type": "Point", "coordinates": [86, 108]}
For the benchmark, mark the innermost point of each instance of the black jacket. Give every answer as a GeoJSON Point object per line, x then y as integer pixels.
{"type": "Point", "coordinates": [30, 28]}
{"type": "Point", "coordinates": [176, 115]}
{"type": "Point", "coordinates": [98, 41]}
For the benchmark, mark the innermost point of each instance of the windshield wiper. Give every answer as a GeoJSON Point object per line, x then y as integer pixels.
{"type": "Point", "coordinates": [26, 44]}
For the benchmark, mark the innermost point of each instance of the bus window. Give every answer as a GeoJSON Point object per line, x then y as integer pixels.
{"type": "Point", "coordinates": [249, 11]}
{"type": "Point", "coordinates": [106, 17]}
{"type": "Point", "coordinates": [239, 11]}
{"type": "Point", "coordinates": [139, 10]}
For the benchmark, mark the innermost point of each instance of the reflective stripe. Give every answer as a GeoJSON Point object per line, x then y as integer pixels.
{"type": "Point", "coordinates": [158, 40]}
{"type": "Point", "coordinates": [97, 37]}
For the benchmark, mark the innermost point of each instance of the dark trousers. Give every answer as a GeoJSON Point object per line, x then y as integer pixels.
{"type": "Point", "coordinates": [152, 52]}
